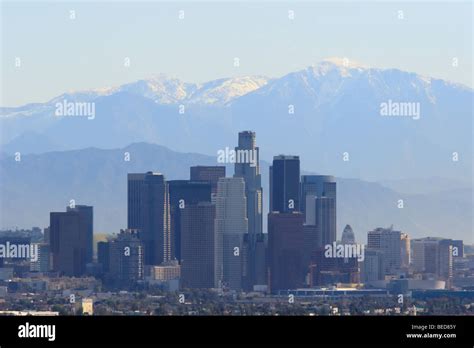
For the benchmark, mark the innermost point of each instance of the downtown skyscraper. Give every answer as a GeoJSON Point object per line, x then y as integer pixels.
{"type": "Point", "coordinates": [149, 213]}
{"type": "Point", "coordinates": [317, 185]}
{"type": "Point", "coordinates": [319, 205]}
{"type": "Point", "coordinates": [250, 172]}
{"type": "Point", "coordinates": [287, 268]}
{"type": "Point", "coordinates": [71, 240]}
{"type": "Point", "coordinates": [197, 245]}
{"type": "Point", "coordinates": [434, 256]}
{"type": "Point", "coordinates": [87, 213]}
{"type": "Point", "coordinates": [126, 258]}
{"type": "Point", "coordinates": [389, 242]}
{"type": "Point", "coordinates": [285, 184]}
{"type": "Point", "coordinates": [183, 193]}
{"type": "Point", "coordinates": [231, 225]}
{"type": "Point", "coordinates": [211, 174]}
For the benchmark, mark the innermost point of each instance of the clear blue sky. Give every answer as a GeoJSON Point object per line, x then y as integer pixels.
{"type": "Point", "coordinates": [59, 54]}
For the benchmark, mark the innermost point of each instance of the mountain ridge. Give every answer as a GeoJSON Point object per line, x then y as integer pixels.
{"type": "Point", "coordinates": [319, 113]}
{"type": "Point", "coordinates": [155, 81]}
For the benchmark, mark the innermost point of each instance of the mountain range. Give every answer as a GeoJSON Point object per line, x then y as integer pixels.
{"type": "Point", "coordinates": [321, 113]}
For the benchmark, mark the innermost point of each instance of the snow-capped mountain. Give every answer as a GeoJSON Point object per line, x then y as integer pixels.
{"type": "Point", "coordinates": [321, 83]}
{"type": "Point", "coordinates": [320, 112]}
{"type": "Point", "coordinates": [332, 78]}
{"type": "Point", "coordinates": [223, 91]}
{"type": "Point", "coordinates": [162, 89]}
{"type": "Point", "coordinates": [165, 90]}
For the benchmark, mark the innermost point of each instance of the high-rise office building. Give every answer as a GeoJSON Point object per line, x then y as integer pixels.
{"type": "Point", "coordinates": [431, 264]}
{"type": "Point", "coordinates": [231, 225]}
{"type": "Point", "coordinates": [285, 184]}
{"type": "Point", "coordinates": [445, 260]}
{"type": "Point", "coordinates": [126, 258]}
{"type": "Point", "coordinates": [433, 256]}
{"type": "Point", "coordinates": [248, 168]}
{"type": "Point", "coordinates": [326, 219]}
{"type": "Point", "coordinates": [389, 242]}
{"type": "Point", "coordinates": [285, 244]}
{"type": "Point", "coordinates": [319, 205]}
{"type": "Point", "coordinates": [69, 238]}
{"type": "Point", "coordinates": [250, 172]}
{"type": "Point", "coordinates": [317, 185]}
{"type": "Point", "coordinates": [148, 212]}
{"type": "Point", "coordinates": [197, 245]}
{"type": "Point", "coordinates": [418, 255]}
{"type": "Point", "coordinates": [210, 174]}
{"type": "Point", "coordinates": [372, 266]}
{"type": "Point", "coordinates": [88, 217]}
{"type": "Point", "coordinates": [183, 193]}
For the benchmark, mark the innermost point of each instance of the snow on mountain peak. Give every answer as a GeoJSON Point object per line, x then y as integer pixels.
{"type": "Point", "coordinates": [322, 81]}
{"type": "Point", "coordinates": [223, 91]}
{"type": "Point", "coordinates": [343, 62]}
{"type": "Point", "coordinates": [160, 88]}
{"type": "Point", "coordinates": [343, 66]}
{"type": "Point", "coordinates": [164, 89]}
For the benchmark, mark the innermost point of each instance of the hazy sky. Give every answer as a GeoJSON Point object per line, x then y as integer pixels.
{"type": "Point", "coordinates": [60, 54]}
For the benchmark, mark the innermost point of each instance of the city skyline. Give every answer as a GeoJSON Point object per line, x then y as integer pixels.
{"type": "Point", "coordinates": [314, 188]}
{"type": "Point", "coordinates": [317, 191]}
{"type": "Point", "coordinates": [221, 166]}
